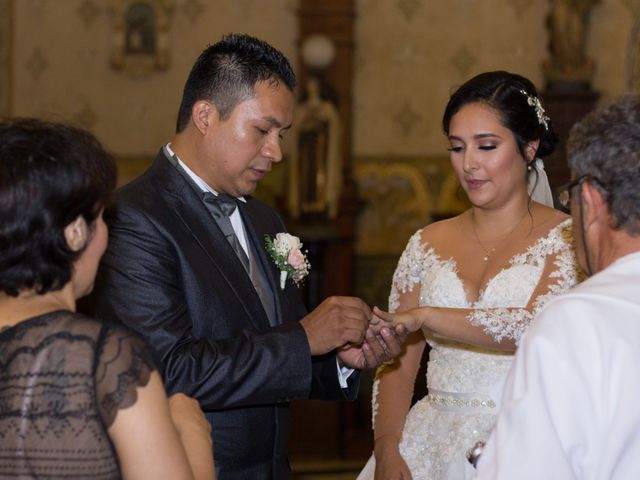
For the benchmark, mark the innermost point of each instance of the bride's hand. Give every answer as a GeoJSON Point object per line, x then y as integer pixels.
{"type": "Point", "coordinates": [410, 319]}
{"type": "Point", "coordinates": [389, 463]}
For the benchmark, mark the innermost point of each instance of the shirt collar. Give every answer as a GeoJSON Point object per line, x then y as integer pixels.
{"type": "Point", "coordinates": [202, 185]}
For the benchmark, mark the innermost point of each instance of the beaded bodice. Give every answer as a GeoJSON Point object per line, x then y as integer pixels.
{"type": "Point", "coordinates": [499, 309]}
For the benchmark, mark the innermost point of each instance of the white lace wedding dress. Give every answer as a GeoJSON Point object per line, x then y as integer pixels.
{"type": "Point", "coordinates": [465, 382]}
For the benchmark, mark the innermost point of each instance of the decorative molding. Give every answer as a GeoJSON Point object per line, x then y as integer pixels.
{"type": "Point", "coordinates": [192, 9]}
{"type": "Point", "coordinates": [37, 63]}
{"type": "Point", "coordinates": [406, 56]}
{"type": "Point", "coordinates": [141, 35]}
{"type": "Point", "coordinates": [408, 8]}
{"type": "Point", "coordinates": [520, 6]}
{"type": "Point", "coordinates": [88, 11]}
{"type": "Point", "coordinates": [370, 6]}
{"type": "Point", "coordinates": [406, 118]}
{"type": "Point", "coordinates": [396, 202]}
{"type": "Point", "coordinates": [292, 7]}
{"type": "Point", "coordinates": [6, 41]}
{"type": "Point", "coordinates": [245, 7]}
{"type": "Point", "coordinates": [86, 116]}
{"type": "Point", "coordinates": [633, 6]}
{"type": "Point", "coordinates": [463, 60]}
{"type": "Point", "coordinates": [399, 195]}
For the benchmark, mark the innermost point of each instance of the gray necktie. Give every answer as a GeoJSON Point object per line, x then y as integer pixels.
{"type": "Point", "coordinates": [221, 207]}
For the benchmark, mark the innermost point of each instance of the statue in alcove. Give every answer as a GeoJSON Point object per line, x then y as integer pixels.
{"type": "Point", "coordinates": [568, 22]}
{"type": "Point", "coordinates": [315, 166]}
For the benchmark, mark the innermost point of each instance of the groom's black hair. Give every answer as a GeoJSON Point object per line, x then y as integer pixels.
{"type": "Point", "coordinates": [226, 73]}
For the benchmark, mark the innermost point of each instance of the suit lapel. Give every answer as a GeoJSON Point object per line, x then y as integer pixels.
{"type": "Point", "coordinates": [181, 197]}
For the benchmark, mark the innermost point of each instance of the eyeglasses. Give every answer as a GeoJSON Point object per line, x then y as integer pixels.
{"type": "Point", "coordinates": [564, 191]}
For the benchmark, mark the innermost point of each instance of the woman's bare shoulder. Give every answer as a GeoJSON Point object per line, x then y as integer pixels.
{"type": "Point", "coordinates": [548, 218]}
{"type": "Point", "coordinates": [441, 231]}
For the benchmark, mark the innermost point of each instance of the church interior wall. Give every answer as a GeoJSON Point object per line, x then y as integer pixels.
{"type": "Point", "coordinates": [56, 62]}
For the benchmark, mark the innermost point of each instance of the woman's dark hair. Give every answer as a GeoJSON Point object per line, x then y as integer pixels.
{"type": "Point", "coordinates": [49, 175]}
{"type": "Point", "coordinates": [503, 91]}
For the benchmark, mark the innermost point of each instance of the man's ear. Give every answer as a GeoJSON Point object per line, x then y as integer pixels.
{"type": "Point", "coordinates": [76, 234]}
{"type": "Point", "coordinates": [531, 150]}
{"type": "Point", "coordinates": [203, 114]}
{"type": "Point", "coordinates": [594, 206]}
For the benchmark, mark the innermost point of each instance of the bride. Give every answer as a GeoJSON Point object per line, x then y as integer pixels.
{"type": "Point", "coordinates": [469, 286]}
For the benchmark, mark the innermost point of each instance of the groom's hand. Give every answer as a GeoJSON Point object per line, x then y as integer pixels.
{"type": "Point", "coordinates": [337, 321]}
{"type": "Point", "coordinates": [375, 350]}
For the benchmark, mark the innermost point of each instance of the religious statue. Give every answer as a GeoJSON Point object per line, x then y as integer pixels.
{"type": "Point", "coordinates": [568, 21]}
{"type": "Point", "coordinates": [315, 166]}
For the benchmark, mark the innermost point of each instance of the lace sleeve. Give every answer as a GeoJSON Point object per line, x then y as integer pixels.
{"type": "Point", "coordinates": [409, 271]}
{"type": "Point", "coordinates": [511, 323]}
{"type": "Point", "coordinates": [502, 323]}
{"type": "Point", "coordinates": [123, 363]}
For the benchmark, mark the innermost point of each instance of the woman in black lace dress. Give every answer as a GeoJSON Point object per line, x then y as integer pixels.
{"type": "Point", "coordinates": [78, 398]}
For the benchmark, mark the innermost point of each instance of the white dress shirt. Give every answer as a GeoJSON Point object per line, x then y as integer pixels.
{"type": "Point", "coordinates": [235, 217]}
{"type": "Point", "coordinates": [570, 404]}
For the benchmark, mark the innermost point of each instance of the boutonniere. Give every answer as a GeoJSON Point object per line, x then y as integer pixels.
{"type": "Point", "coordinates": [286, 252]}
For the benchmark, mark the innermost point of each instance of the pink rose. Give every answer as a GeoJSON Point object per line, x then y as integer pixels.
{"type": "Point", "coordinates": [296, 258]}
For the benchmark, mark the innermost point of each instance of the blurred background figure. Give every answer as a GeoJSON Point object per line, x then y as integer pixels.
{"type": "Point", "coordinates": [315, 165]}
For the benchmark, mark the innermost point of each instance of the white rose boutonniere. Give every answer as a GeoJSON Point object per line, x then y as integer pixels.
{"type": "Point", "coordinates": [286, 252]}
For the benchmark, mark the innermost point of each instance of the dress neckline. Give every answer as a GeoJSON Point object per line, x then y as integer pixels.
{"type": "Point", "coordinates": [511, 264]}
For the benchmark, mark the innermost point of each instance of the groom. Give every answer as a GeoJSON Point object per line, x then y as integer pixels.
{"type": "Point", "coordinates": [187, 268]}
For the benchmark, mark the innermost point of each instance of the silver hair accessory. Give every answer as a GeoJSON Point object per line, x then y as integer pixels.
{"type": "Point", "coordinates": [543, 119]}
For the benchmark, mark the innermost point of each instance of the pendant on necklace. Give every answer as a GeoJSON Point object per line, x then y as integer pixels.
{"type": "Point", "coordinates": [488, 254]}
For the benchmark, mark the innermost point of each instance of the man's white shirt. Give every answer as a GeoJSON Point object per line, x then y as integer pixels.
{"type": "Point", "coordinates": [570, 404]}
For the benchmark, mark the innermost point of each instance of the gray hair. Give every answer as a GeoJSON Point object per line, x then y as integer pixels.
{"type": "Point", "coordinates": [606, 145]}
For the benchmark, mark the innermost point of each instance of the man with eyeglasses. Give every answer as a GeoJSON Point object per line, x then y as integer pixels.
{"type": "Point", "coordinates": [570, 406]}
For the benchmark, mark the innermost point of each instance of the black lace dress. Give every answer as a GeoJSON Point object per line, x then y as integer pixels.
{"type": "Point", "coordinates": [63, 377]}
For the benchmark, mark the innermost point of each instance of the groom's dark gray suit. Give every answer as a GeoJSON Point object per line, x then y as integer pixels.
{"type": "Point", "coordinates": [170, 274]}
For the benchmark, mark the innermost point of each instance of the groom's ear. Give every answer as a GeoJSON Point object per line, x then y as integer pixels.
{"type": "Point", "coordinates": [203, 115]}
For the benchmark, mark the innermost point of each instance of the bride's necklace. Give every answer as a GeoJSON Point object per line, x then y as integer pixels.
{"type": "Point", "coordinates": [489, 251]}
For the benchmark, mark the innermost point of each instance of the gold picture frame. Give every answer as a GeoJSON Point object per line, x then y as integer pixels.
{"type": "Point", "coordinates": [141, 35]}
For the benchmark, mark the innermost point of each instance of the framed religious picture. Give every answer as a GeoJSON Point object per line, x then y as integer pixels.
{"type": "Point", "coordinates": [141, 29]}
